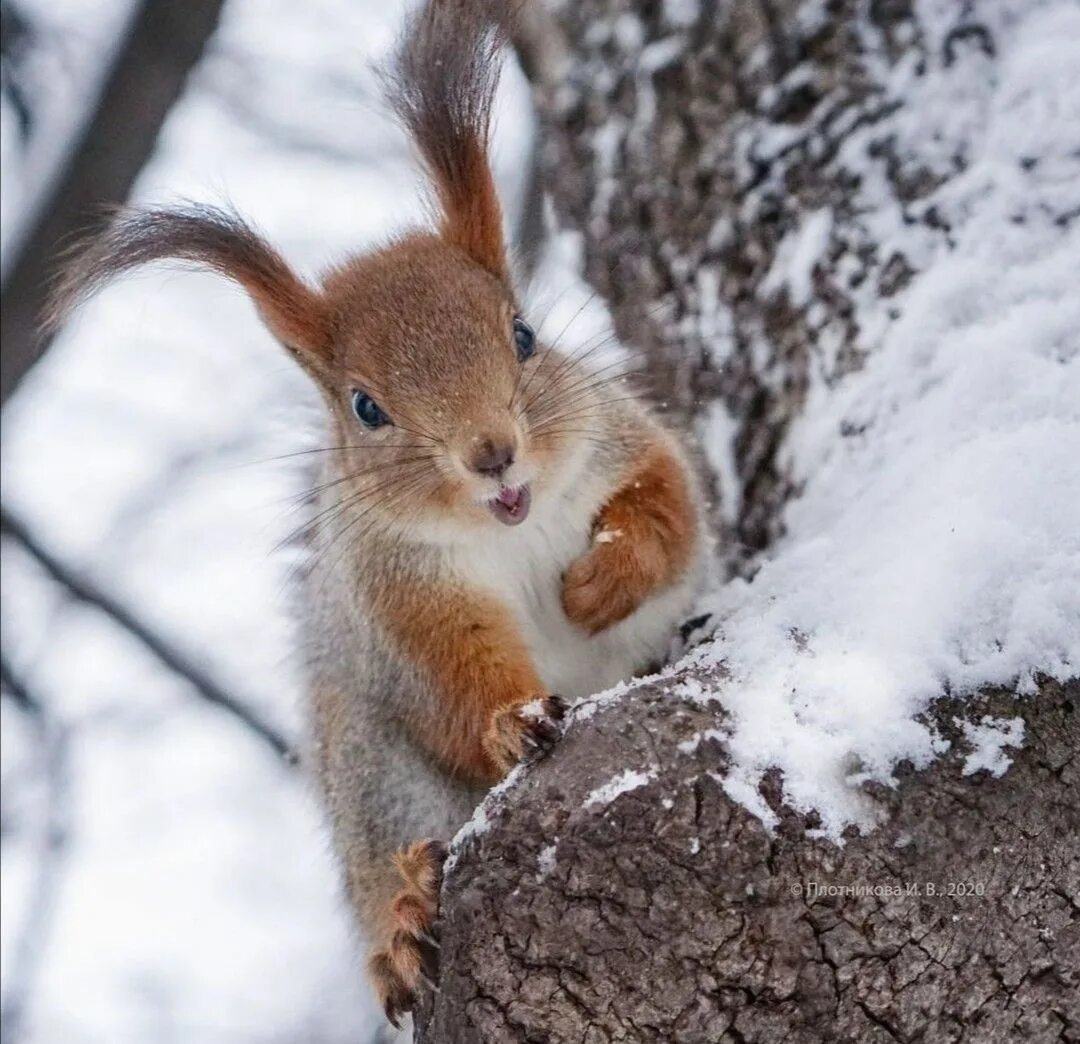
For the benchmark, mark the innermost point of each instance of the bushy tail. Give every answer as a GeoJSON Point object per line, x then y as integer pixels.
{"type": "Point", "coordinates": [442, 87]}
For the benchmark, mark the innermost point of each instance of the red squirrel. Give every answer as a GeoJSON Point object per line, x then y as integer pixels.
{"type": "Point", "coordinates": [496, 524]}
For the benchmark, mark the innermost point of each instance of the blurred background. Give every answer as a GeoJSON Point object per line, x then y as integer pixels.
{"type": "Point", "coordinates": [165, 873]}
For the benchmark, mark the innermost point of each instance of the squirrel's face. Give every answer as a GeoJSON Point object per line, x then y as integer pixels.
{"type": "Point", "coordinates": [451, 411]}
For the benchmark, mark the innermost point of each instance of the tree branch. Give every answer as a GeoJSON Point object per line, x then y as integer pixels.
{"type": "Point", "coordinates": [165, 652]}
{"type": "Point", "coordinates": [163, 44]}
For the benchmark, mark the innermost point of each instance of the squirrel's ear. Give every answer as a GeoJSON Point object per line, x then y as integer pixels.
{"type": "Point", "coordinates": [209, 238]}
{"type": "Point", "coordinates": [442, 87]}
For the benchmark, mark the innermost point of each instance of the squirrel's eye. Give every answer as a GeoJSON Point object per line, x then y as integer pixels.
{"type": "Point", "coordinates": [367, 410]}
{"type": "Point", "coordinates": [524, 338]}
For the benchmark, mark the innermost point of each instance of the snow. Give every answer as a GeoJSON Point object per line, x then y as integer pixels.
{"type": "Point", "coordinates": [689, 746]}
{"type": "Point", "coordinates": [545, 861]}
{"type": "Point", "coordinates": [682, 13]}
{"type": "Point", "coordinates": [793, 268]}
{"type": "Point", "coordinates": [480, 822]}
{"type": "Point", "coordinates": [720, 433]}
{"type": "Point", "coordinates": [935, 547]}
{"type": "Point", "coordinates": [988, 740]}
{"type": "Point", "coordinates": [624, 782]}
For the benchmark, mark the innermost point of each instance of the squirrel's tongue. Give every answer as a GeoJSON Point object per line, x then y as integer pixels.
{"type": "Point", "coordinates": [511, 505]}
{"type": "Point", "coordinates": [509, 498]}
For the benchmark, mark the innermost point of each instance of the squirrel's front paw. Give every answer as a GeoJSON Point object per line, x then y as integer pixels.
{"type": "Point", "coordinates": [608, 582]}
{"type": "Point", "coordinates": [412, 957]}
{"type": "Point", "coordinates": [522, 729]}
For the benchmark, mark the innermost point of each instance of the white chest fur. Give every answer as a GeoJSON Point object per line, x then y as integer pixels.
{"type": "Point", "coordinates": [523, 567]}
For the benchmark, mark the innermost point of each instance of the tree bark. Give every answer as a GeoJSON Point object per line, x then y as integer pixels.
{"type": "Point", "coordinates": [685, 173]}
{"type": "Point", "coordinates": [670, 913]}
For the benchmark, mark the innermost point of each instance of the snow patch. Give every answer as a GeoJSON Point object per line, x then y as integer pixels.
{"type": "Point", "coordinates": [988, 740]}
{"type": "Point", "coordinates": [481, 820]}
{"type": "Point", "coordinates": [533, 709]}
{"type": "Point", "coordinates": [682, 13]}
{"type": "Point", "coordinates": [719, 431]}
{"type": "Point", "coordinates": [690, 746]}
{"type": "Point", "coordinates": [631, 779]}
{"type": "Point", "coordinates": [796, 256]}
{"type": "Point", "coordinates": [545, 861]}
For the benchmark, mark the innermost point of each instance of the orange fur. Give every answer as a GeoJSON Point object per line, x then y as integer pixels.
{"type": "Point", "coordinates": [643, 540]}
{"type": "Point", "coordinates": [472, 215]}
{"type": "Point", "coordinates": [408, 955]}
{"type": "Point", "coordinates": [470, 647]}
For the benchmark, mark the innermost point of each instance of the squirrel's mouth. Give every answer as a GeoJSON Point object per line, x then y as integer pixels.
{"type": "Point", "coordinates": [510, 505]}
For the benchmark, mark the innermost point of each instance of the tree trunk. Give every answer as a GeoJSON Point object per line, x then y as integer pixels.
{"type": "Point", "coordinates": [689, 143]}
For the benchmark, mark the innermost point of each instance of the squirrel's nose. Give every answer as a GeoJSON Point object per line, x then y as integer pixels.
{"type": "Point", "coordinates": [491, 459]}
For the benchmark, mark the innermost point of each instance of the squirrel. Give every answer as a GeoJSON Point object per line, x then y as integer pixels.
{"type": "Point", "coordinates": [495, 532]}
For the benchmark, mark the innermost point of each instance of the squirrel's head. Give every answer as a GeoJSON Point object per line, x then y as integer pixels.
{"type": "Point", "coordinates": [442, 400]}
{"type": "Point", "coordinates": [449, 381]}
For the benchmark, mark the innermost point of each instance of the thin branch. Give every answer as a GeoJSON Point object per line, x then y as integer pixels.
{"type": "Point", "coordinates": [29, 944]}
{"type": "Point", "coordinates": [168, 654]}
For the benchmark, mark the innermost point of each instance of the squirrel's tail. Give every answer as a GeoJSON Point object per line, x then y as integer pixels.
{"type": "Point", "coordinates": [442, 87]}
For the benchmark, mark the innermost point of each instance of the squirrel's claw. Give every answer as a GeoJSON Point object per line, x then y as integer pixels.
{"type": "Point", "coordinates": [522, 729]}
{"type": "Point", "coordinates": [394, 995]}
{"type": "Point", "coordinates": [540, 736]}
{"type": "Point", "coordinates": [543, 731]}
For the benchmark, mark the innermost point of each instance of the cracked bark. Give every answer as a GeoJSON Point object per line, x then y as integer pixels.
{"type": "Point", "coordinates": [671, 914]}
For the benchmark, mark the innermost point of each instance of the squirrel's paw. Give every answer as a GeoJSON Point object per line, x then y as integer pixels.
{"type": "Point", "coordinates": [522, 729]}
{"type": "Point", "coordinates": [606, 584]}
{"type": "Point", "coordinates": [412, 956]}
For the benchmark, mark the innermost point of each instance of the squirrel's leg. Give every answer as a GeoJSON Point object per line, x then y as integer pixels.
{"type": "Point", "coordinates": [642, 542]}
{"type": "Point", "coordinates": [485, 708]}
{"type": "Point", "coordinates": [407, 951]}
{"type": "Point", "coordinates": [488, 707]}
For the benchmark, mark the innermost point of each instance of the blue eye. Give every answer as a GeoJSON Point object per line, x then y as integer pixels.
{"type": "Point", "coordinates": [367, 410]}
{"type": "Point", "coordinates": [524, 338]}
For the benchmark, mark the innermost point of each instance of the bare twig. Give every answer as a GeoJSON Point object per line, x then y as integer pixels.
{"type": "Point", "coordinates": [163, 649]}
{"type": "Point", "coordinates": [30, 941]}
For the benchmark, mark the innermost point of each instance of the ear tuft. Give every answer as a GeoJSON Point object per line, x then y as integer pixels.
{"type": "Point", "coordinates": [442, 87]}
{"type": "Point", "coordinates": [209, 238]}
